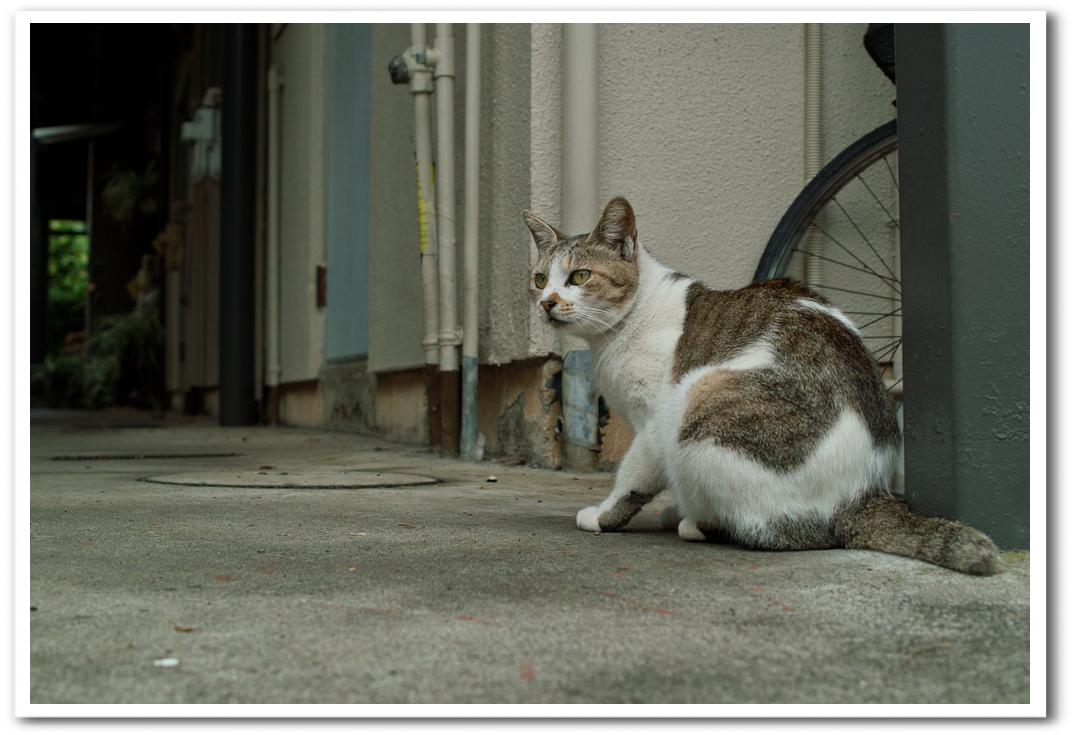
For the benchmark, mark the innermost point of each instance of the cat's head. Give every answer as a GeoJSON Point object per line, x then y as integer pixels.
{"type": "Point", "coordinates": [585, 284]}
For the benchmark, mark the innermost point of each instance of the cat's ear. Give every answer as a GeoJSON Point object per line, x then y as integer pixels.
{"type": "Point", "coordinates": [618, 228]}
{"type": "Point", "coordinates": [544, 235]}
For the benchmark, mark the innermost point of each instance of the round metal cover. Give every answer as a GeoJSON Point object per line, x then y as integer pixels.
{"type": "Point", "coordinates": [297, 479]}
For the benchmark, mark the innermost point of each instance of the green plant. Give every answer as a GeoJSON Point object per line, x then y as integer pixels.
{"type": "Point", "coordinates": [123, 363]}
{"type": "Point", "coordinates": [128, 192]}
{"type": "Point", "coordinates": [68, 265]}
{"type": "Point", "coordinates": [133, 343]}
{"type": "Point", "coordinates": [57, 380]}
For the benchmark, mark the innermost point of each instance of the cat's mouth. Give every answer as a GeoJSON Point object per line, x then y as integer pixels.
{"type": "Point", "coordinates": [556, 322]}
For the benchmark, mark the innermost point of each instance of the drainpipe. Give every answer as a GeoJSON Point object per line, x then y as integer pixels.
{"type": "Point", "coordinates": [272, 320]}
{"type": "Point", "coordinates": [813, 135]}
{"type": "Point", "coordinates": [580, 159]}
{"type": "Point", "coordinates": [442, 59]}
{"type": "Point", "coordinates": [411, 67]}
{"type": "Point", "coordinates": [472, 448]}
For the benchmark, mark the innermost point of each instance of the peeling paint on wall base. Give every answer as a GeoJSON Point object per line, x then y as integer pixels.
{"type": "Point", "coordinates": [615, 438]}
{"type": "Point", "coordinates": [519, 411]}
{"type": "Point", "coordinates": [347, 395]}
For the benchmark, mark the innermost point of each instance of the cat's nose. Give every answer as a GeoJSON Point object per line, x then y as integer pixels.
{"type": "Point", "coordinates": [548, 305]}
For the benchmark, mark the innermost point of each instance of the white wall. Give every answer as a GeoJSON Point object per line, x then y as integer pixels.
{"type": "Point", "coordinates": [701, 127]}
{"type": "Point", "coordinates": [299, 50]}
{"type": "Point", "coordinates": [396, 324]}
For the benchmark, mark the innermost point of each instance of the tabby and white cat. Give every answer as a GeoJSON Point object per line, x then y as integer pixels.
{"type": "Point", "coordinates": [760, 408]}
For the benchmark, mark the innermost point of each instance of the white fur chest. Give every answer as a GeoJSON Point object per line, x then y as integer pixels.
{"type": "Point", "coordinates": [632, 366]}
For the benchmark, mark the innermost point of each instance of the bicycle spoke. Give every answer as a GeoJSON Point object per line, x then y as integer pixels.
{"type": "Point", "coordinates": [894, 283]}
{"type": "Point", "coordinates": [894, 385]}
{"type": "Point", "coordinates": [879, 318]}
{"type": "Point", "coordinates": [886, 211]}
{"type": "Point", "coordinates": [864, 237]}
{"type": "Point", "coordinates": [893, 178]}
{"type": "Point", "coordinates": [851, 253]}
{"type": "Point", "coordinates": [889, 351]}
{"type": "Point", "coordinates": [873, 313]}
{"type": "Point", "coordinates": [859, 293]}
{"type": "Point", "coordinates": [882, 353]}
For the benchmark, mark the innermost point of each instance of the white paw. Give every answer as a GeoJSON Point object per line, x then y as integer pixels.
{"type": "Point", "coordinates": [688, 531]}
{"type": "Point", "coordinates": [587, 519]}
{"type": "Point", "coordinates": [668, 518]}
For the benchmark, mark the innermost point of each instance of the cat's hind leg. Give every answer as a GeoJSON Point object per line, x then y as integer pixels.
{"type": "Point", "coordinates": [639, 479]}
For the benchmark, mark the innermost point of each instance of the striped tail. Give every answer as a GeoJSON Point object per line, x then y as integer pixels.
{"type": "Point", "coordinates": [882, 523]}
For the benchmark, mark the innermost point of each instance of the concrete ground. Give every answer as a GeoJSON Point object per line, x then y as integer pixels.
{"type": "Point", "coordinates": [460, 591]}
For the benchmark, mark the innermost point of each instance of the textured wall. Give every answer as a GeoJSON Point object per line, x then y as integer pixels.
{"type": "Point", "coordinates": [396, 322]}
{"type": "Point", "coordinates": [700, 126]}
{"type": "Point", "coordinates": [505, 191]}
{"type": "Point", "coordinates": [702, 129]}
{"type": "Point", "coordinates": [299, 52]}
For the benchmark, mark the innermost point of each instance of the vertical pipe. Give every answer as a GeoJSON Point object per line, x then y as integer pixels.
{"type": "Point", "coordinates": [470, 252]}
{"type": "Point", "coordinates": [421, 86]}
{"type": "Point", "coordinates": [813, 134]}
{"type": "Point", "coordinates": [272, 316]}
{"type": "Point", "coordinates": [237, 190]}
{"type": "Point", "coordinates": [580, 161]}
{"type": "Point", "coordinates": [450, 381]}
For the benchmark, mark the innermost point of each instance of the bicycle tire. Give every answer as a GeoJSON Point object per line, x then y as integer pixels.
{"type": "Point", "coordinates": [818, 192]}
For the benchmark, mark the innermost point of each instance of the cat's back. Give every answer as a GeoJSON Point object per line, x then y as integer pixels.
{"type": "Point", "coordinates": [717, 325]}
{"type": "Point", "coordinates": [784, 326]}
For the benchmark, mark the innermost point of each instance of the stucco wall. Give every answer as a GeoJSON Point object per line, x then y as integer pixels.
{"type": "Point", "coordinates": [299, 51]}
{"type": "Point", "coordinates": [396, 323]}
{"type": "Point", "coordinates": [506, 159]}
{"type": "Point", "coordinates": [700, 127]}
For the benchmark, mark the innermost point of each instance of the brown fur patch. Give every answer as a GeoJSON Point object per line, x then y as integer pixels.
{"type": "Point", "coordinates": [719, 323]}
{"type": "Point", "coordinates": [765, 414]}
{"type": "Point", "coordinates": [776, 415]}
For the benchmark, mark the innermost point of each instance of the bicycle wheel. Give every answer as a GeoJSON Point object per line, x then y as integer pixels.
{"type": "Point", "coordinates": [841, 237]}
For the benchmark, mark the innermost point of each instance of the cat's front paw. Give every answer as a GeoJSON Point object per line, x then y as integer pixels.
{"type": "Point", "coordinates": [588, 519]}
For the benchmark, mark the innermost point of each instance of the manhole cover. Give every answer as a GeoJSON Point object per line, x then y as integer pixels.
{"type": "Point", "coordinates": [312, 479]}
{"type": "Point", "coordinates": [166, 455]}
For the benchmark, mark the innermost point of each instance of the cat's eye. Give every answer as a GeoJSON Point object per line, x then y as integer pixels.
{"type": "Point", "coordinates": [540, 280]}
{"type": "Point", "coordinates": [579, 276]}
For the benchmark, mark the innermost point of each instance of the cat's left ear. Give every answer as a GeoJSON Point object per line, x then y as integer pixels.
{"type": "Point", "coordinates": [544, 235]}
{"type": "Point", "coordinates": [618, 228]}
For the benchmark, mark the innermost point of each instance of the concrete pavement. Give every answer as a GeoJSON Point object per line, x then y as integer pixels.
{"type": "Point", "coordinates": [462, 590]}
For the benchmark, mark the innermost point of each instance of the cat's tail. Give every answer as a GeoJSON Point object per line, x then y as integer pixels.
{"type": "Point", "coordinates": [882, 523]}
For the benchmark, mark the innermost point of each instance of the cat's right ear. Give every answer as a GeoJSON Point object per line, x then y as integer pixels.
{"type": "Point", "coordinates": [544, 235]}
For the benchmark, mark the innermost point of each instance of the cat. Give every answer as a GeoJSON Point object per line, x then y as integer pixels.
{"type": "Point", "coordinates": [760, 408]}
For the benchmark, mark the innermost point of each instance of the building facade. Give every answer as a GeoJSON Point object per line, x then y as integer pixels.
{"type": "Point", "coordinates": [701, 127]}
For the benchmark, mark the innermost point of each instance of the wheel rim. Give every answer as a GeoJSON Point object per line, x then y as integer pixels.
{"type": "Point", "coordinates": [844, 226]}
